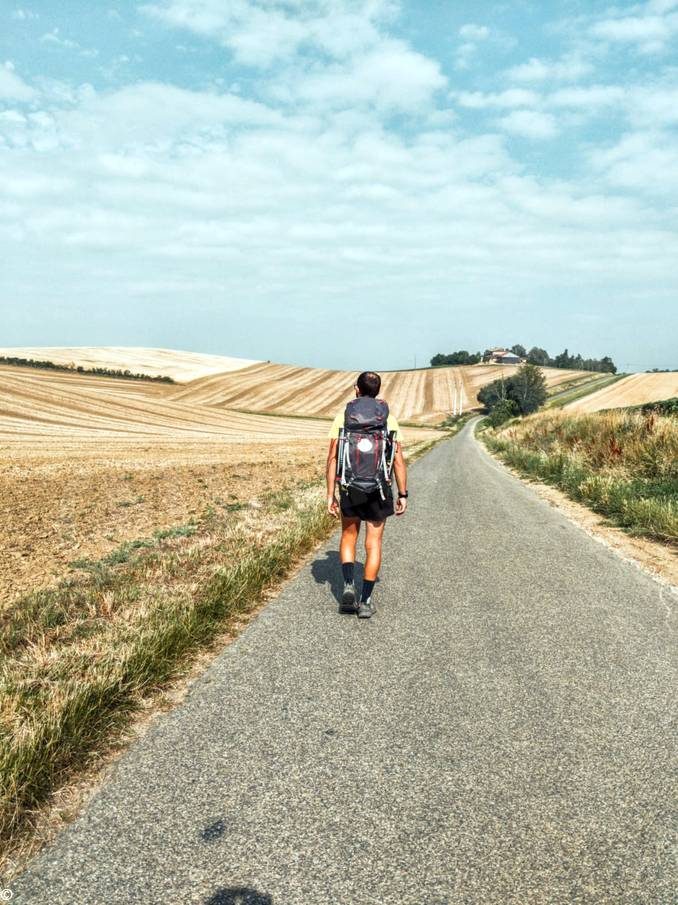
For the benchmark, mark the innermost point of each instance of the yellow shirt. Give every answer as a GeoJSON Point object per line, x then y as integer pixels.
{"type": "Point", "coordinates": [391, 425]}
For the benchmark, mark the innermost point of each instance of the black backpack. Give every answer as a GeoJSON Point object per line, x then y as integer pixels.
{"type": "Point", "coordinates": [366, 449]}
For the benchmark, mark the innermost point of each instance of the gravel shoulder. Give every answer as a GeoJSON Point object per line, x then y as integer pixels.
{"type": "Point", "coordinates": [501, 732]}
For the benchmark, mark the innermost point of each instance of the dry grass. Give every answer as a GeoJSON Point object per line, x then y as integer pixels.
{"type": "Point", "coordinates": [635, 389]}
{"type": "Point", "coordinates": [622, 464]}
{"type": "Point", "coordinates": [77, 659]}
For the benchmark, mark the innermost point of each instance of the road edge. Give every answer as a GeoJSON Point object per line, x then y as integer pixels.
{"type": "Point", "coordinates": [650, 557]}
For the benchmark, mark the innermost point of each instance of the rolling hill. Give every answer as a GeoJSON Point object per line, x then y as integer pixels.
{"type": "Point", "coordinates": [211, 386]}
{"type": "Point", "coordinates": [180, 366]}
{"type": "Point", "coordinates": [635, 389]}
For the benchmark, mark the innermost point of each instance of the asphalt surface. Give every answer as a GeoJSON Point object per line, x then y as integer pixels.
{"type": "Point", "coordinates": [500, 732]}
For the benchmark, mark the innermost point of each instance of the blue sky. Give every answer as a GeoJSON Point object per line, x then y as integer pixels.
{"type": "Point", "coordinates": [347, 183]}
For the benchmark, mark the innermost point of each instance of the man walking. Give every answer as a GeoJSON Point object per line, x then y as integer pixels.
{"type": "Point", "coordinates": [356, 506]}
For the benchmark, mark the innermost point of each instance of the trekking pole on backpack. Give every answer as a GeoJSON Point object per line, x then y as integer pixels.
{"type": "Point", "coordinates": [341, 457]}
{"type": "Point", "coordinates": [391, 454]}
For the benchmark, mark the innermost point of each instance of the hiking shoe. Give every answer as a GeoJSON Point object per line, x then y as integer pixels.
{"type": "Point", "coordinates": [366, 609]}
{"type": "Point", "coordinates": [348, 598]}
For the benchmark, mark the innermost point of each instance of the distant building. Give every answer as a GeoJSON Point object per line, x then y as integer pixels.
{"type": "Point", "coordinates": [507, 358]}
{"type": "Point", "coordinates": [500, 356]}
{"type": "Point", "coordinates": [491, 354]}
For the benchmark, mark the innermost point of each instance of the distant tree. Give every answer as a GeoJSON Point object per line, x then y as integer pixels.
{"type": "Point", "coordinates": [502, 411]}
{"type": "Point", "coordinates": [462, 357]}
{"type": "Point", "coordinates": [608, 365]}
{"type": "Point", "coordinates": [564, 360]}
{"type": "Point", "coordinates": [519, 350]}
{"type": "Point", "coordinates": [527, 388]}
{"type": "Point", "coordinates": [493, 393]}
{"type": "Point", "coordinates": [537, 356]}
{"type": "Point", "coordinates": [525, 391]}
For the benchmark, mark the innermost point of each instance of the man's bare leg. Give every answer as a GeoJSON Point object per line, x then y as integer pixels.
{"type": "Point", "coordinates": [374, 534]}
{"type": "Point", "coordinates": [373, 538]}
{"type": "Point", "coordinates": [350, 528]}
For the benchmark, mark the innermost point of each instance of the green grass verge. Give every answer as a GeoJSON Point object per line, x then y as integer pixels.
{"type": "Point", "coordinates": [620, 464]}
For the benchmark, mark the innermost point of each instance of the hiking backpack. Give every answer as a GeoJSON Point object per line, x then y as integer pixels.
{"type": "Point", "coordinates": [366, 449]}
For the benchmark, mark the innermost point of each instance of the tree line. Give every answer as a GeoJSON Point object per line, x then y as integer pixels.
{"type": "Point", "coordinates": [78, 369]}
{"type": "Point", "coordinates": [534, 356]}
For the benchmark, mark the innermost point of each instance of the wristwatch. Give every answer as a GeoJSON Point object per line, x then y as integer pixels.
{"type": "Point", "coordinates": [403, 496]}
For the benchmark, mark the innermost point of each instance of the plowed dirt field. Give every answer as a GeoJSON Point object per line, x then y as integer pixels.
{"type": "Point", "coordinates": [633, 390]}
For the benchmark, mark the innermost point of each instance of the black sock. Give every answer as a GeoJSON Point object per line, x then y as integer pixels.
{"type": "Point", "coordinates": [367, 589]}
{"type": "Point", "coordinates": [347, 571]}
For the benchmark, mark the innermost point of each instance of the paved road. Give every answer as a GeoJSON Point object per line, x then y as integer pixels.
{"type": "Point", "coordinates": [499, 733]}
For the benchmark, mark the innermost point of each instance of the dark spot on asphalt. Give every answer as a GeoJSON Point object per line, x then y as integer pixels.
{"type": "Point", "coordinates": [330, 731]}
{"type": "Point", "coordinates": [239, 895]}
{"type": "Point", "coordinates": [213, 831]}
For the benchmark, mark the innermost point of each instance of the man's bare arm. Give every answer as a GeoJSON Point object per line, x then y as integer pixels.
{"type": "Point", "coordinates": [331, 477]}
{"type": "Point", "coordinates": [400, 471]}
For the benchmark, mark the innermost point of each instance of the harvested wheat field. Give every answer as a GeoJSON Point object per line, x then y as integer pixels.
{"type": "Point", "coordinates": [424, 396]}
{"type": "Point", "coordinates": [90, 463]}
{"type": "Point", "coordinates": [633, 390]}
{"type": "Point", "coordinates": [59, 406]}
{"type": "Point", "coordinates": [93, 462]}
{"type": "Point", "coordinates": [180, 366]}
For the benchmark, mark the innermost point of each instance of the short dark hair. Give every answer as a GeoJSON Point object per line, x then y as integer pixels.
{"type": "Point", "coordinates": [368, 383]}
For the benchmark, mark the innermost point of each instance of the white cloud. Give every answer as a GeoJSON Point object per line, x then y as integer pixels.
{"type": "Point", "coordinates": [648, 27]}
{"type": "Point", "coordinates": [592, 98]}
{"type": "Point", "coordinates": [567, 69]}
{"type": "Point", "coordinates": [650, 106]}
{"type": "Point", "coordinates": [645, 162]}
{"type": "Point", "coordinates": [390, 76]}
{"type": "Point", "coordinates": [529, 124]}
{"type": "Point", "coordinates": [153, 113]}
{"type": "Point", "coordinates": [12, 87]}
{"type": "Point", "coordinates": [650, 34]}
{"type": "Point", "coordinates": [260, 35]}
{"type": "Point", "coordinates": [24, 14]}
{"type": "Point", "coordinates": [472, 32]}
{"type": "Point", "coordinates": [512, 97]}
{"type": "Point", "coordinates": [54, 39]}
{"type": "Point", "coordinates": [471, 35]}
{"type": "Point", "coordinates": [654, 106]}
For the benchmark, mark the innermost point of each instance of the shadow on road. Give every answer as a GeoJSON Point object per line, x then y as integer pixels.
{"type": "Point", "coordinates": [328, 571]}
{"type": "Point", "coordinates": [239, 895]}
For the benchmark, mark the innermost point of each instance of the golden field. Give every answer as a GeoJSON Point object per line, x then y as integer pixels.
{"type": "Point", "coordinates": [91, 462]}
{"type": "Point", "coordinates": [635, 389]}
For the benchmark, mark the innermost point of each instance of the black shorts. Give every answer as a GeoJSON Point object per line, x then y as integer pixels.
{"type": "Point", "coordinates": [374, 509]}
